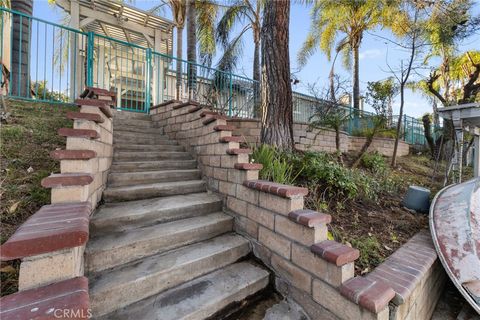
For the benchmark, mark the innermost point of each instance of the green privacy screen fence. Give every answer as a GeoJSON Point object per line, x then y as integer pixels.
{"type": "Point", "coordinates": [44, 61]}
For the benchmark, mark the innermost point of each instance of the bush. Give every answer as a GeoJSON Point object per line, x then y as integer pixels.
{"type": "Point", "coordinates": [276, 165]}
{"type": "Point", "coordinates": [329, 182]}
{"type": "Point", "coordinates": [374, 162]}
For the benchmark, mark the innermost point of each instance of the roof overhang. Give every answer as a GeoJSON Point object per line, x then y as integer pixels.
{"type": "Point", "coordinates": [465, 115]}
{"type": "Point", "coordinates": [117, 20]}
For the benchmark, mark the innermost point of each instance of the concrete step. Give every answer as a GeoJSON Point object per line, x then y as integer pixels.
{"type": "Point", "coordinates": [120, 134]}
{"type": "Point", "coordinates": [148, 147]}
{"type": "Point", "coordinates": [151, 155]}
{"type": "Point", "coordinates": [200, 298]}
{"type": "Point", "coordinates": [132, 122]}
{"type": "Point", "coordinates": [117, 288]}
{"type": "Point", "coordinates": [147, 130]}
{"type": "Point", "coordinates": [129, 166]}
{"type": "Point", "coordinates": [114, 217]}
{"type": "Point", "coordinates": [153, 190]}
{"type": "Point", "coordinates": [125, 115]}
{"type": "Point", "coordinates": [142, 140]}
{"type": "Point", "coordinates": [118, 248]}
{"type": "Point", "coordinates": [132, 178]}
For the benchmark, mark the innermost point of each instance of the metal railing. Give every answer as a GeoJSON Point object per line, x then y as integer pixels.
{"type": "Point", "coordinates": [45, 61]}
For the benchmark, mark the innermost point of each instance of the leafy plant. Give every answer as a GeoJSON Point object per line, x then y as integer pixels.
{"type": "Point", "coordinates": [374, 162]}
{"type": "Point", "coordinates": [277, 165]}
{"type": "Point", "coordinates": [369, 248]}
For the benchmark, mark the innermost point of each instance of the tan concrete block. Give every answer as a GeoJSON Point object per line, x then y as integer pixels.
{"type": "Point", "coordinates": [220, 174]}
{"type": "Point", "coordinates": [262, 216]}
{"type": "Point", "coordinates": [246, 226]}
{"type": "Point", "coordinates": [261, 252]}
{"type": "Point", "coordinates": [51, 267]}
{"type": "Point", "coordinates": [274, 242]}
{"type": "Point", "coordinates": [239, 176]}
{"type": "Point", "coordinates": [298, 232]}
{"type": "Point", "coordinates": [227, 188]}
{"type": "Point", "coordinates": [331, 299]}
{"type": "Point", "coordinates": [292, 274]}
{"type": "Point", "coordinates": [247, 194]}
{"type": "Point", "coordinates": [237, 206]}
{"type": "Point", "coordinates": [329, 272]}
{"type": "Point", "coordinates": [278, 204]}
{"type": "Point", "coordinates": [70, 194]}
{"type": "Point", "coordinates": [76, 166]}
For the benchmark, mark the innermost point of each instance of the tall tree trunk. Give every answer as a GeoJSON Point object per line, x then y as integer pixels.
{"type": "Point", "coordinates": [427, 130]}
{"type": "Point", "coordinates": [179, 62]}
{"type": "Point", "coordinates": [399, 123]}
{"type": "Point", "coordinates": [257, 113]}
{"type": "Point", "coordinates": [277, 115]}
{"type": "Point", "coordinates": [20, 60]}
{"type": "Point", "coordinates": [356, 76]}
{"type": "Point", "coordinates": [192, 48]}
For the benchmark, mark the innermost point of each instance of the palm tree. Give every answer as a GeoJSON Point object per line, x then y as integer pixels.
{"type": "Point", "coordinates": [21, 48]}
{"type": "Point", "coordinates": [179, 14]}
{"type": "Point", "coordinates": [191, 47]}
{"type": "Point", "coordinates": [351, 19]}
{"type": "Point", "coordinates": [235, 13]}
{"type": "Point", "coordinates": [277, 108]}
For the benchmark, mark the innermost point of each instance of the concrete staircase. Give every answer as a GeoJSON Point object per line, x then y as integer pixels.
{"type": "Point", "coordinates": [161, 247]}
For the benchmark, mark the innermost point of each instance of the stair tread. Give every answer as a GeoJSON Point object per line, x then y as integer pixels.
{"type": "Point", "coordinates": [128, 211]}
{"type": "Point", "coordinates": [116, 240]}
{"type": "Point", "coordinates": [199, 298]}
{"type": "Point", "coordinates": [159, 162]}
{"type": "Point", "coordinates": [154, 185]}
{"type": "Point", "coordinates": [152, 172]}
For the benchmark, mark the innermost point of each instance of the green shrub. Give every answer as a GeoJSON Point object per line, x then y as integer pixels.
{"type": "Point", "coordinates": [277, 166]}
{"type": "Point", "coordinates": [374, 162]}
{"type": "Point", "coordinates": [369, 248]}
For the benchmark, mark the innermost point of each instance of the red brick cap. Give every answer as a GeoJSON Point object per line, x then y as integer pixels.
{"type": "Point", "coordinates": [309, 218]}
{"type": "Point", "coordinates": [195, 109]}
{"type": "Point", "coordinates": [213, 118]}
{"type": "Point", "coordinates": [48, 302]}
{"type": "Point", "coordinates": [54, 227]}
{"type": "Point", "coordinates": [406, 267]}
{"type": "Point", "coordinates": [67, 180]}
{"type": "Point", "coordinates": [101, 104]}
{"type": "Point", "coordinates": [248, 166]}
{"type": "Point", "coordinates": [186, 104]}
{"type": "Point", "coordinates": [208, 113]}
{"type": "Point", "coordinates": [80, 133]}
{"type": "Point", "coordinates": [90, 91]}
{"type": "Point", "coordinates": [73, 154]}
{"type": "Point", "coordinates": [335, 252]}
{"type": "Point", "coordinates": [281, 190]}
{"type": "Point", "coordinates": [223, 127]}
{"type": "Point", "coordinates": [238, 139]}
{"type": "Point", "coordinates": [371, 294]}
{"type": "Point", "coordinates": [85, 116]}
{"type": "Point", "coordinates": [166, 103]}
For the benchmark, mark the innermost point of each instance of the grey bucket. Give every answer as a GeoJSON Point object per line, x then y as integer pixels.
{"type": "Point", "coordinates": [418, 199]}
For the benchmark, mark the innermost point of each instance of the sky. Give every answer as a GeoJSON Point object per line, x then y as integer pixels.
{"type": "Point", "coordinates": [375, 54]}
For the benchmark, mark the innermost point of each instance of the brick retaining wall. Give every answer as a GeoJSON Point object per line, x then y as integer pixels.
{"type": "Point", "coordinates": [317, 273]}
{"type": "Point", "coordinates": [55, 250]}
{"type": "Point", "coordinates": [318, 139]}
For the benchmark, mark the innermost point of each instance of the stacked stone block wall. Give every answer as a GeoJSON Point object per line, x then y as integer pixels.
{"type": "Point", "coordinates": [55, 251]}
{"type": "Point", "coordinates": [383, 146]}
{"type": "Point", "coordinates": [314, 139]}
{"type": "Point", "coordinates": [288, 239]}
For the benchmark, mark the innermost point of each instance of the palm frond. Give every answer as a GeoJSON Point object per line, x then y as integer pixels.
{"type": "Point", "coordinates": [232, 52]}
{"type": "Point", "coordinates": [207, 12]}
{"type": "Point", "coordinates": [236, 13]}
